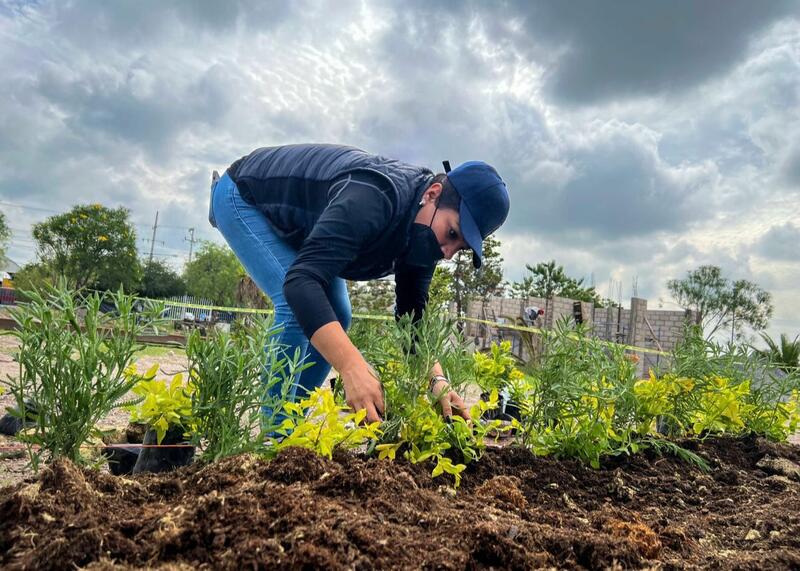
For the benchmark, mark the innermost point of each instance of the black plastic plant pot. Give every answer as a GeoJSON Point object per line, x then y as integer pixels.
{"type": "Point", "coordinates": [11, 422]}
{"type": "Point", "coordinates": [164, 459]}
{"type": "Point", "coordinates": [121, 459]}
{"type": "Point", "coordinates": [510, 411]}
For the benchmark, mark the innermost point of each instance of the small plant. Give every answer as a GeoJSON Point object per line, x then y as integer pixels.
{"type": "Point", "coordinates": [497, 370]}
{"type": "Point", "coordinates": [775, 420]}
{"type": "Point", "coordinates": [719, 407]}
{"type": "Point", "coordinates": [579, 399]}
{"type": "Point", "coordinates": [232, 375]}
{"type": "Point", "coordinates": [72, 363]}
{"type": "Point", "coordinates": [413, 425]}
{"type": "Point", "coordinates": [318, 423]}
{"type": "Point", "coordinates": [163, 405]}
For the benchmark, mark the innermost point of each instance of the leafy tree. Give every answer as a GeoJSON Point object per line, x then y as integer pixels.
{"type": "Point", "coordinates": [90, 245]}
{"type": "Point", "coordinates": [213, 274]}
{"type": "Point", "coordinates": [440, 293]}
{"type": "Point", "coordinates": [159, 280]}
{"type": "Point", "coordinates": [784, 354]}
{"type": "Point", "coordinates": [248, 294]}
{"type": "Point", "coordinates": [33, 276]}
{"type": "Point", "coordinates": [469, 283]}
{"type": "Point", "coordinates": [720, 303]}
{"type": "Point", "coordinates": [547, 279]}
{"type": "Point", "coordinates": [374, 296]}
{"type": "Point", "coordinates": [5, 234]}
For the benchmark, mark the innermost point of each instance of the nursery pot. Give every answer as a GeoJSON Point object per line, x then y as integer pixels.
{"type": "Point", "coordinates": [506, 409]}
{"type": "Point", "coordinates": [164, 459]}
{"type": "Point", "coordinates": [11, 423]}
{"type": "Point", "coordinates": [121, 459]}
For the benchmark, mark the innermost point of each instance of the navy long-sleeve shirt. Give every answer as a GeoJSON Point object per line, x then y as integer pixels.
{"type": "Point", "coordinates": [348, 213]}
{"type": "Point", "coordinates": [355, 218]}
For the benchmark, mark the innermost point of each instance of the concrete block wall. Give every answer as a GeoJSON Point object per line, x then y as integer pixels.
{"type": "Point", "coordinates": [637, 326]}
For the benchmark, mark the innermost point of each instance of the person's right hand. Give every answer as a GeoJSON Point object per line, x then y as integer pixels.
{"type": "Point", "coordinates": [362, 389]}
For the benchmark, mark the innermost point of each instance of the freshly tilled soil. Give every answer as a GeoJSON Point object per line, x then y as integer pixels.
{"type": "Point", "coordinates": [512, 511]}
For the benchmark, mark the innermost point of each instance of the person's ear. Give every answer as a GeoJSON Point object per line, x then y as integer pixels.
{"type": "Point", "coordinates": [433, 192]}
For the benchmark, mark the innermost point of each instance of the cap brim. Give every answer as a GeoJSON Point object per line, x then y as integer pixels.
{"type": "Point", "coordinates": [471, 234]}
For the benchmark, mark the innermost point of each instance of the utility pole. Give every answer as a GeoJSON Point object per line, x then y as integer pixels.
{"type": "Point", "coordinates": [153, 239]}
{"type": "Point", "coordinates": [191, 241]}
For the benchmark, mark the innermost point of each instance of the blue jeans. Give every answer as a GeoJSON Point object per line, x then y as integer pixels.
{"type": "Point", "coordinates": [267, 258]}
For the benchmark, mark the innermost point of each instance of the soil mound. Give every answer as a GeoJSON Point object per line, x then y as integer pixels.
{"type": "Point", "coordinates": [513, 511]}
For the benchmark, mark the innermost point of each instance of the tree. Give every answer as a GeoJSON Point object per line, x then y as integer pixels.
{"type": "Point", "coordinates": [374, 296]}
{"type": "Point", "coordinates": [33, 276]}
{"type": "Point", "coordinates": [90, 245]}
{"type": "Point", "coordinates": [248, 294]}
{"type": "Point", "coordinates": [469, 283]}
{"type": "Point", "coordinates": [159, 280]}
{"type": "Point", "coordinates": [547, 279]}
{"type": "Point", "coordinates": [213, 274]}
{"type": "Point", "coordinates": [720, 303]}
{"type": "Point", "coordinates": [5, 234]}
{"type": "Point", "coordinates": [440, 292]}
{"type": "Point", "coordinates": [785, 354]}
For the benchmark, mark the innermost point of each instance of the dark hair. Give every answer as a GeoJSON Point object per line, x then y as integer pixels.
{"type": "Point", "coordinates": [449, 197]}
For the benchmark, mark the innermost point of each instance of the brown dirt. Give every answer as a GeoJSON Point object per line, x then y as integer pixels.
{"type": "Point", "coordinates": [513, 511]}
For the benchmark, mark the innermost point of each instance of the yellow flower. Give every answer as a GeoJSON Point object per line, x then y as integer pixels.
{"type": "Point", "coordinates": [84, 216]}
{"type": "Point", "coordinates": [96, 206]}
{"type": "Point", "coordinates": [103, 239]}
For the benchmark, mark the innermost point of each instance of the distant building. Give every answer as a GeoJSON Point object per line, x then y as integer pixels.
{"type": "Point", "coordinates": [7, 270]}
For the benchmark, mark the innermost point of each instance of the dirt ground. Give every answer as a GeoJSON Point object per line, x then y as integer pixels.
{"type": "Point", "coordinates": [14, 469]}
{"type": "Point", "coordinates": [513, 511]}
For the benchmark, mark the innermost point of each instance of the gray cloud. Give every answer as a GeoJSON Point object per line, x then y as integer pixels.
{"type": "Point", "coordinates": [630, 134]}
{"type": "Point", "coordinates": [631, 48]}
{"type": "Point", "coordinates": [781, 242]}
{"type": "Point", "coordinates": [615, 184]}
{"type": "Point", "coordinates": [790, 167]}
{"type": "Point", "coordinates": [105, 26]}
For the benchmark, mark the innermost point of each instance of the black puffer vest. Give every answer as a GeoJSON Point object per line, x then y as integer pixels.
{"type": "Point", "coordinates": [290, 185]}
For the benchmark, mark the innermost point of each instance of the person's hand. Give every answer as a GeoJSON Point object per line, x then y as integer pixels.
{"type": "Point", "coordinates": [449, 400]}
{"type": "Point", "coordinates": [363, 391]}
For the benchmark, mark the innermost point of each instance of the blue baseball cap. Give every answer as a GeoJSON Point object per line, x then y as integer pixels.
{"type": "Point", "coordinates": [484, 203]}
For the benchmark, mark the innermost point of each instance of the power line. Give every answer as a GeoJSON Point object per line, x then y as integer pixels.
{"type": "Point", "coordinates": [24, 206]}
{"type": "Point", "coordinates": [139, 224]}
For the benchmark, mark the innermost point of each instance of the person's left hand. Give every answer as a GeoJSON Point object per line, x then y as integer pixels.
{"type": "Point", "coordinates": [449, 400]}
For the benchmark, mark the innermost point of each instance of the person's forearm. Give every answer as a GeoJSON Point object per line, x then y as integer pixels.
{"type": "Point", "coordinates": [333, 344]}
{"type": "Point", "coordinates": [436, 370]}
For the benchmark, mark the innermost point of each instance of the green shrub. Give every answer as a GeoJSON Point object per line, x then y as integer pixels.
{"type": "Point", "coordinates": [73, 363]}
{"type": "Point", "coordinates": [232, 375]}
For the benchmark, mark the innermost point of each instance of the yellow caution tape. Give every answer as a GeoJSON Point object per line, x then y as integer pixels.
{"type": "Point", "coordinates": [538, 331]}
{"type": "Point", "coordinates": [523, 328]}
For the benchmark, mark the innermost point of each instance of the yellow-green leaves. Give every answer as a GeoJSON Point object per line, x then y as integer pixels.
{"type": "Point", "coordinates": [446, 465]}
{"type": "Point", "coordinates": [497, 370]}
{"type": "Point", "coordinates": [388, 451]}
{"type": "Point", "coordinates": [164, 405]}
{"type": "Point", "coordinates": [719, 407]}
{"type": "Point", "coordinates": [319, 424]}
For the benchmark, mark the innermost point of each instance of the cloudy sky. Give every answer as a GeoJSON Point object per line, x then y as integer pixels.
{"type": "Point", "coordinates": [638, 139]}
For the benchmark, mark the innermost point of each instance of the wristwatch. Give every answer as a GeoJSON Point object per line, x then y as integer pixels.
{"type": "Point", "coordinates": [436, 378]}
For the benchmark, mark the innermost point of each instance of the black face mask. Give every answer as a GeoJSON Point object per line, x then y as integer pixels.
{"type": "Point", "coordinates": [423, 246]}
